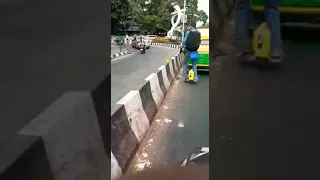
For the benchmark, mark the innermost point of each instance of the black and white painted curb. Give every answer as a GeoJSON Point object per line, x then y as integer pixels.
{"type": "Point", "coordinates": [132, 115]}
{"type": "Point", "coordinates": [166, 45]}
{"type": "Point", "coordinates": [121, 54]}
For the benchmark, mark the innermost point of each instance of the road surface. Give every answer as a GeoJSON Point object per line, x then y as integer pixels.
{"type": "Point", "coordinates": [270, 115]}
{"type": "Point", "coordinates": [264, 123]}
{"type": "Point", "coordinates": [129, 72]}
{"type": "Point", "coordinates": [181, 126]}
{"type": "Point", "coordinates": [116, 48]}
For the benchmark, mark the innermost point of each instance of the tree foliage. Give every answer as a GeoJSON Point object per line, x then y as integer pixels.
{"type": "Point", "coordinates": [203, 26]}
{"type": "Point", "coordinates": [202, 17]}
{"type": "Point", "coordinates": [120, 13]}
{"type": "Point", "coordinates": [193, 14]}
{"type": "Point", "coordinates": [154, 16]}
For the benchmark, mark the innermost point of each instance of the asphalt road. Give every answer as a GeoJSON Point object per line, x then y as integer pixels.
{"type": "Point", "coordinates": [264, 122]}
{"type": "Point", "coordinates": [129, 72]}
{"type": "Point", "coordinates": [181, 126]}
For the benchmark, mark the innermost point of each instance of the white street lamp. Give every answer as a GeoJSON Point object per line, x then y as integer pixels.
{"type": "Point", "coordinates": [184, 18]}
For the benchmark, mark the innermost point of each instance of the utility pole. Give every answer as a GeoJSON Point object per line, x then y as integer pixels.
{"type": "Point", "coordinates": [184, 19]}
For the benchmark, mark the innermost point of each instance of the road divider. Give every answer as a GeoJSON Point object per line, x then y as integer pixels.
{"type": "Point", "coordinates": [133, 114]}
{"type": "Point", "coordinates": [127, 51]}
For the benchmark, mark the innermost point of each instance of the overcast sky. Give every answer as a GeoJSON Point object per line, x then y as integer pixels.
{"type": "Point", "coordinates": [203, 5]}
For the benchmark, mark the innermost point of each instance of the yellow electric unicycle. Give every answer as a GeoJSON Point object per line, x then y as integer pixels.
{"type": "Point", "coordinates": [261, 48]}
{"type": "Point", "coordinates": [261, 45]}
{"type": "Point", "coordinates": [191, 75]}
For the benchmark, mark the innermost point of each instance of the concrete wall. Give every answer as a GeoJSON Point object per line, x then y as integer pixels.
{"type": "Point", "coordinates": [48, 48]}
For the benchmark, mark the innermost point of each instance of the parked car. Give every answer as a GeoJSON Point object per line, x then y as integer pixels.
{"type": "Point", "coordinates": [147, 42]}
{"type": "Point", "coordinates": [151, 38]}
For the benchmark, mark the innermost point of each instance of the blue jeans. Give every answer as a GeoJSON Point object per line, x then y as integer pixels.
{"type": "Point", "coordinates": [186, 67]}
{"type": "Point", "coordinates": [242, 22]}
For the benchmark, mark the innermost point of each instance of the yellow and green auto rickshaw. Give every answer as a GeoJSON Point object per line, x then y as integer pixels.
{"type": "Point", "coordinates": [305, 11]}
{"type": "Point", "coordinates": [203, 51]}
{"type": "Point", "coordinates": [291, 10]}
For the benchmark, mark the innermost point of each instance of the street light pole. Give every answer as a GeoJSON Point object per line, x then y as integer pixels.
{"type": "Point", "coordinates": [184, 18]}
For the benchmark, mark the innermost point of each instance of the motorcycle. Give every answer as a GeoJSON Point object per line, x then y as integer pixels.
{"type": "Point", "coordinates": [142, 49]}
{"type": "Point", "coordinates": [198, 156]}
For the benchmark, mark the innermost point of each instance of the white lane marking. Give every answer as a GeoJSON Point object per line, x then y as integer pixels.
{"type": "Point", "coordinates": [121, 57]}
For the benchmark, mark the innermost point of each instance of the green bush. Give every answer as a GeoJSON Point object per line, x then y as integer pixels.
{"type": "Point", "coordinates": [167, 41]}
{"type": "Point", "coordinates": [177, 42]}
{"type": "Point", "coordinates": [160, 40]}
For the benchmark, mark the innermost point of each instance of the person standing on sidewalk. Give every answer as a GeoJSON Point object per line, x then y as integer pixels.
{"type": "Point", "coordinates": [242, 18]}
{"type": "Point", "coordinates": [191, 41]}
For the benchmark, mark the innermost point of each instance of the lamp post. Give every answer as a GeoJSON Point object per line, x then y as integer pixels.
{"type": "Point", "coordinates": [184, 18]}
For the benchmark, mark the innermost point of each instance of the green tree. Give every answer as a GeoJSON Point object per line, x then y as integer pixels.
{"type": "Point", "coordinates": [152, 16]}
{"type": "Point", "coordinates": [202, 17]}
{"type": "Point", "coordinates": [193, 14]}
{"type": "Point", "coordinates": [120, 14]}
{"type": "Point", "coordinates": [204, 26]}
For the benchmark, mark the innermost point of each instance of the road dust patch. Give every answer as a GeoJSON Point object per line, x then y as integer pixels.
{"type": "Point", "coordinates": [143, 162]}
{"type": "Point", "coordinates": [148, 152]}
{"type": "Point", "coordinates": [148, 148]}
{"type": "Point", "coordinates": [168, 121]}
{"type": "Point", "coordinates": [180, 125]}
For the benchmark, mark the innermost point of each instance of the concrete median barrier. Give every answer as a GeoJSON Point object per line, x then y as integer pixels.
{"type": "Point", "coordinates": [63, 142]}
{"type": "Point", "coordinates": [133, 114]}
{"type": "Point", "coordinates": [68, 140]}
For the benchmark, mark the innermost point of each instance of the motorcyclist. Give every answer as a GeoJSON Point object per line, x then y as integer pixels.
{"type": "Point", "coordinates": [141, 39]}
{"type": "Point", "coordinates": [191, 42]}
{"type": "Point", "coordinates": [142, 43]}
{"type": "Point", "coordinates": [242, 23]}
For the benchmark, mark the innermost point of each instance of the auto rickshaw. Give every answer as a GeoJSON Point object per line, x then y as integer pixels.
{"type": "Point", "coordinates": [291, 11]}
{"type": "Point", "coordinates": [120, 40]}
{"type": "Point", "coordinates": [307, 11]}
